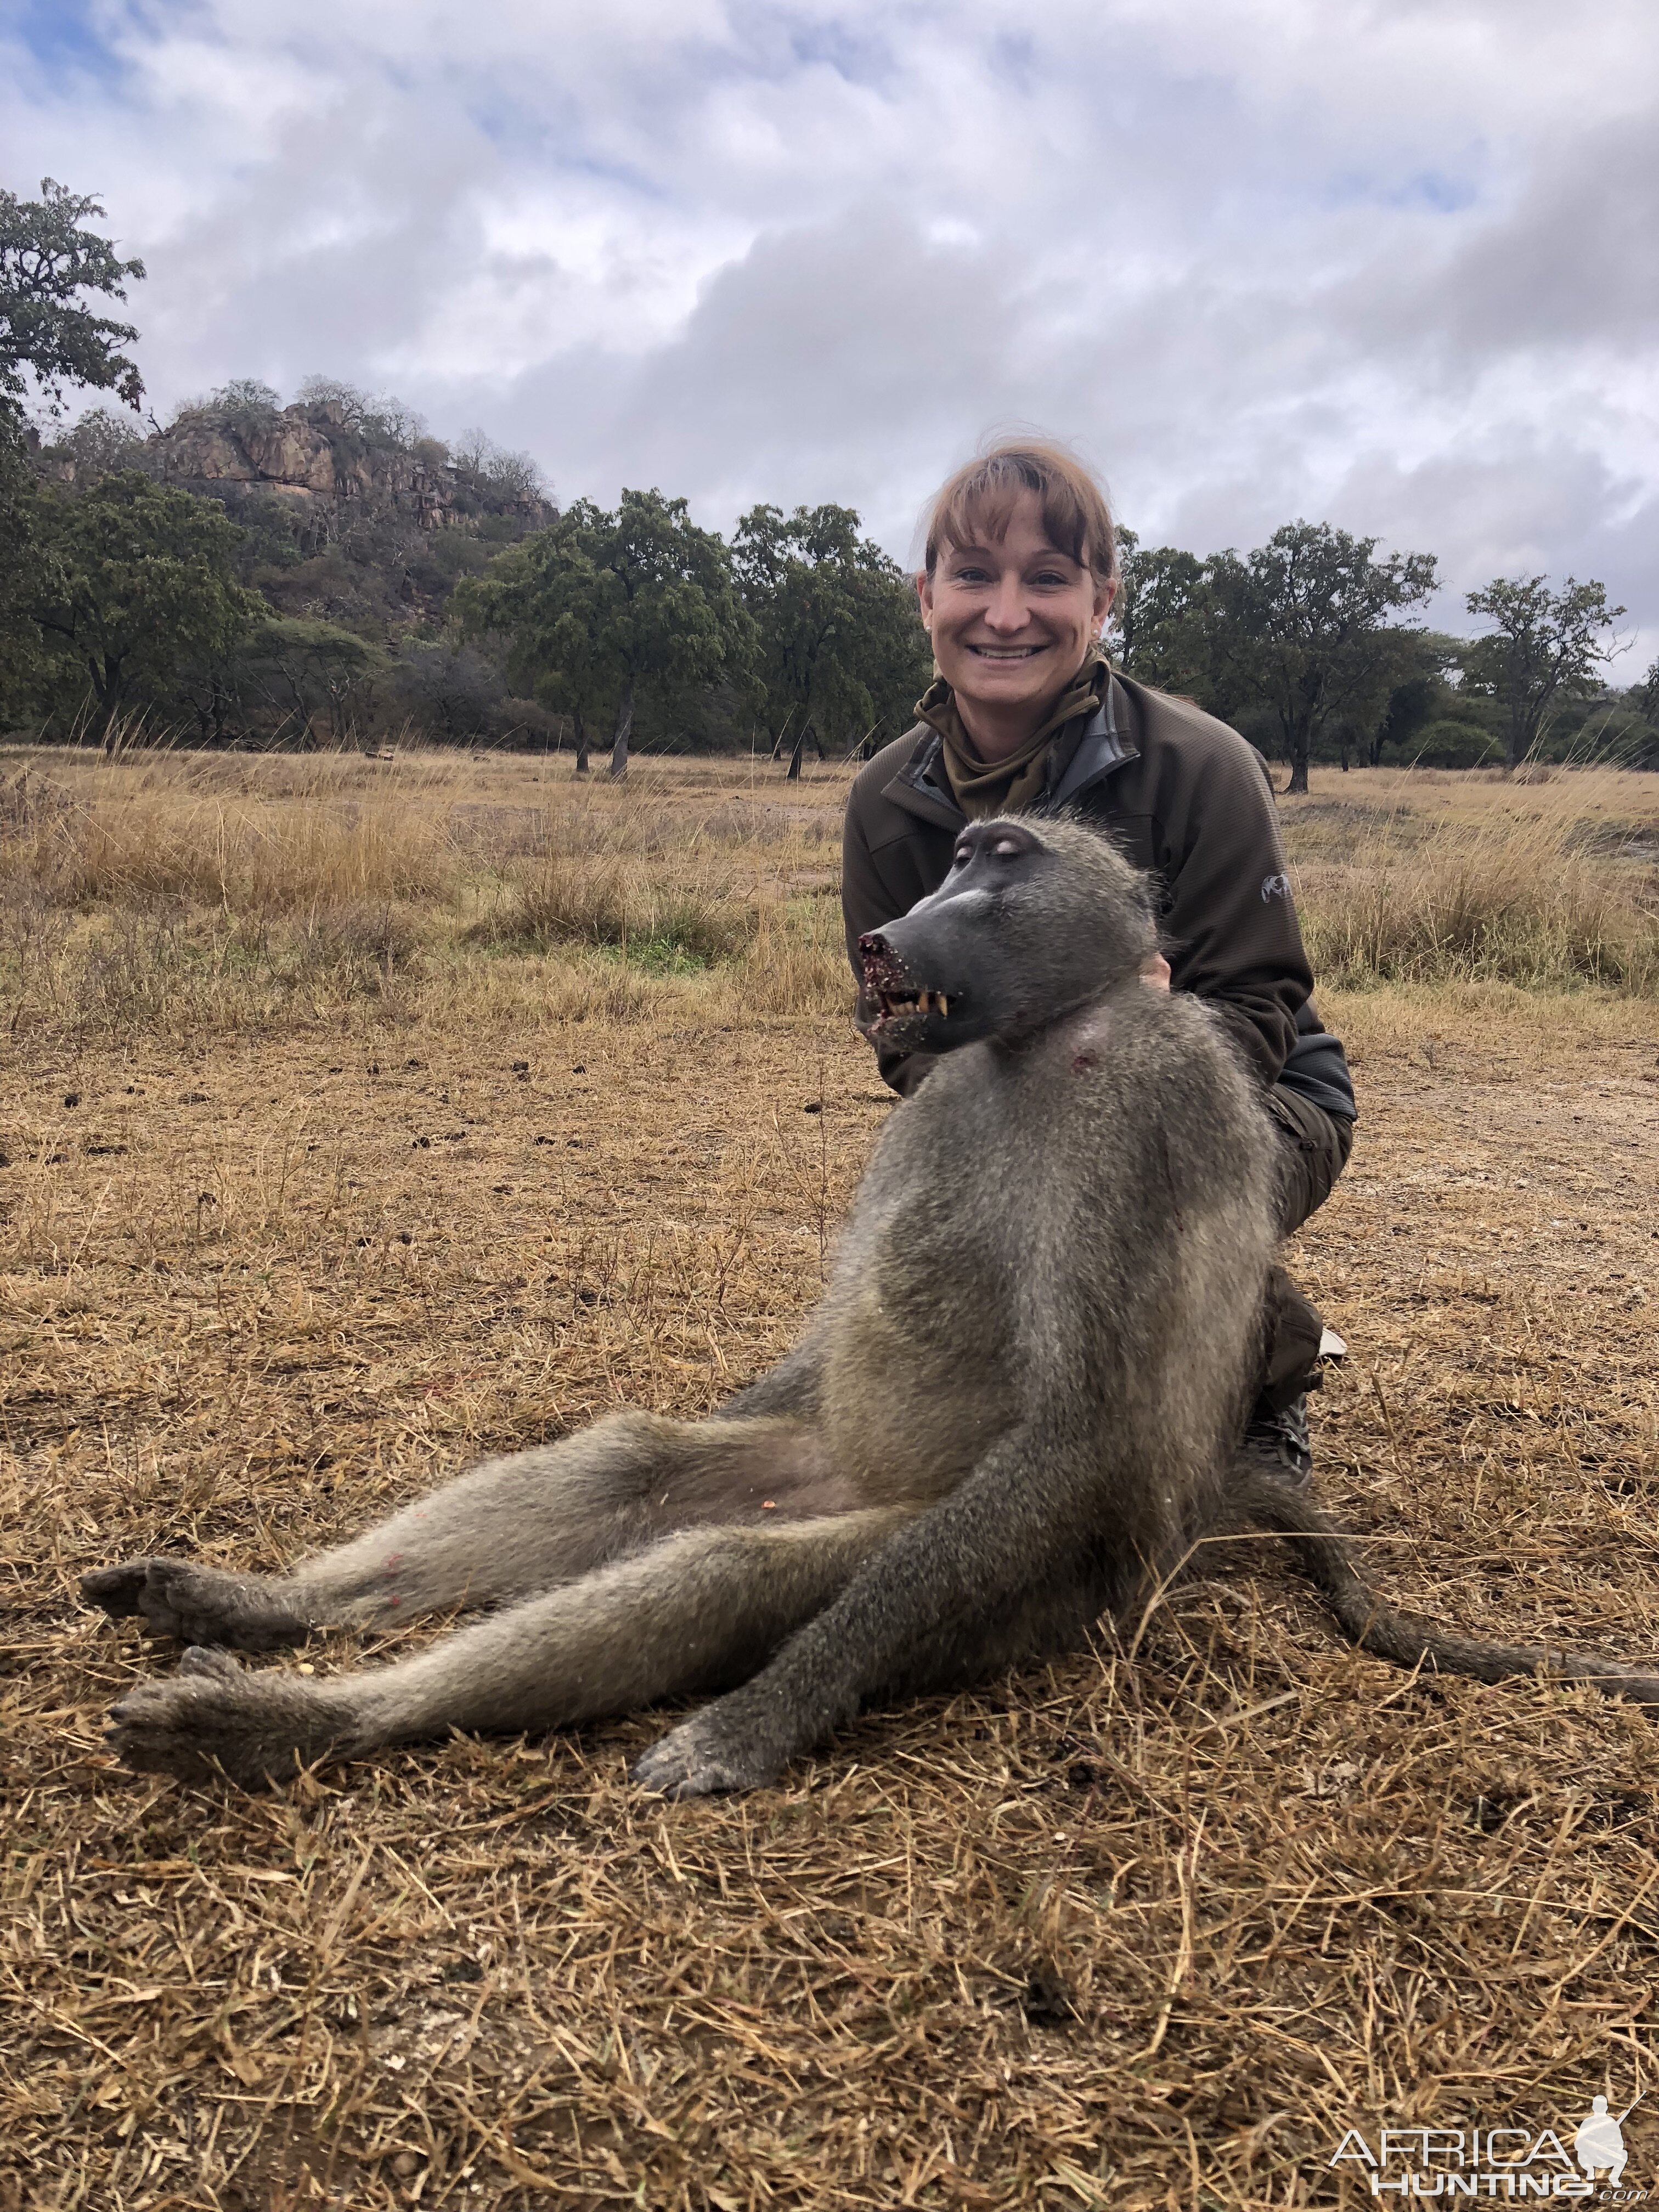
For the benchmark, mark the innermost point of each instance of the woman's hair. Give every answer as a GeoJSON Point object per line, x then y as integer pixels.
{"type": "Point", "coordinates": [979, 498]}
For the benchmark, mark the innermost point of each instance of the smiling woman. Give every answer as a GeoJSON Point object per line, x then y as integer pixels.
{"type": "Point", "coordinates": [1028, 716]}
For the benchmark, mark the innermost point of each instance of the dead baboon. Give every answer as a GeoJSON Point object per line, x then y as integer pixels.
{"type": "Point", "coordinates": [1012, 1413]}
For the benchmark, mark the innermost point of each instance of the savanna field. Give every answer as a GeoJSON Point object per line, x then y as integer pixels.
{"type": "Point", "coordinates": [361, 1116]}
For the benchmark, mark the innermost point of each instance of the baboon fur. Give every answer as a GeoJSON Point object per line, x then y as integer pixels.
{"type": "Point", "coordinates": [1010, 1417]}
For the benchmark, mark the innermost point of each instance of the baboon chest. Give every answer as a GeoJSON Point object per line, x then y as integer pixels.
{"type": "Point", "coordinates": [924, 1368]}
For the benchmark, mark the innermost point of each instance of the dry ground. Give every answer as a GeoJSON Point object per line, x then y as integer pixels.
{"type": "Point", "coordinates": [1138, 1935]}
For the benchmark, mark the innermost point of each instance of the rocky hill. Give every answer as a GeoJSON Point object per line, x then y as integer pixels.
{"type": "Point", "coordinates": [313, 451]}
{"type": "Point", "coordinates": [332, 448]}
{"type": "Point", "coordinates": [355, 526]}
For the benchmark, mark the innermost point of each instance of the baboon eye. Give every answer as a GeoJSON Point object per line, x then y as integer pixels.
{"type": "Point", "coordinates": [1006, 849]}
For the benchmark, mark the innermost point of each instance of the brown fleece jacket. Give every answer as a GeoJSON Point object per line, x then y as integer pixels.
{"type": "Point", "coordinates": [1186, 798]}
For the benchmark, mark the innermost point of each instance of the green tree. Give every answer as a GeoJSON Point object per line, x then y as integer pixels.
{"type": "Point", "coordinates": [840, 649]}
{"type": "Point", "coordinates": [615, 605]}
{"type": "Point", "coordinates": [671, 612]}
{"type": "Point", "coordinates": [310, 670]}
{"type": "Point", "coordinates": [96, 444]}
{"type": "Point", "coordinates": [136, 581]}
{"type": "Point", "coordinates": [550, 601]}
{"type": "Point", "coordinates": [1544, 647]}
{"type": "Point", "coordinates": [26, 569]}
{"type": "Point", "coordinates": [1303, 627]}
{"type": "Point", "coordinates": [1419, 693]}
{"type": "Point", "coordinates": [1163, 617]}
{"type": "Point", "coordinates": [47, 337]}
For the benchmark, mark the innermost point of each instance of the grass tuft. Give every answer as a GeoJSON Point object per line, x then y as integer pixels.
{"type": "Point", "coordinates": [1552, 886]}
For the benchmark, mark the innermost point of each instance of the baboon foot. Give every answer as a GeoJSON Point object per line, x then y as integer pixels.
{"type": "Point", "coordinates": [198, 1605]}
{"type": "Point", "coordinates": [712, 1751]}
{"type": "Point", "coordinates": [215, 1717]}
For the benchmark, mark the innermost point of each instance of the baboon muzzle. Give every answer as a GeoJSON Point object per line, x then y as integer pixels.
{"type": "Point", "coordinates": [906, 1011]}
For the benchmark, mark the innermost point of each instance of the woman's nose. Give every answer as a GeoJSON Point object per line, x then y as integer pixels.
{"type": "Point", "coordinates": [1006, 609]}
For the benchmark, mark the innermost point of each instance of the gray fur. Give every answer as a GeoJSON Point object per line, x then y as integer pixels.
{"type": "Point", "coordinates": [1012, 1413]}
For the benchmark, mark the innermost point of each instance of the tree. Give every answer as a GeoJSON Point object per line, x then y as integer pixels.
{"type": "Point", "coordinates": [549, 601]}
{"type": "Point", "coordinates": [1303, 627]}
{"type": "Point", "coordinates": [839, 646]}
{"type": "Point", "coordinates": [306, 668]}
{"type": "Point", "coordinates": [1162, 617]}
{"type": "Point", "coordinates": [95, 445]}
{"type": "Point", "coordinates": [378, 418]}
{"type": "Point", "coordinates": [46, 259]}
{"type": "Point", "coordinates": [1544, 645]}
{"type": "Point", "coordinates": [671, 613]}
{"type": "Point", "coordinates": [511, 476]}
{"type": "Point", "coordinates": [611, 605]}
{"type": "Point", "coordinates": [138, 580]}
{"type": "Point", "coordinates": [25, 567]}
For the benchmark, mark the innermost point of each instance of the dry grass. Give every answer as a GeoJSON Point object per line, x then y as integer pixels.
{"type": "Point", "coordinates": [1140, 1936]}
{"type": "Point", "coordinates": [1431, 877]}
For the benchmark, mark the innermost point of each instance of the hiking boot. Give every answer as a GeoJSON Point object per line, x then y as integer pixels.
{"type": "Point", "coordinates": [1280, 1442]}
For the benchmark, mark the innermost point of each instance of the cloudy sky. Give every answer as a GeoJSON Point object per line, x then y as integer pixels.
{"type": "Point", "coordinates": [1392, 266]}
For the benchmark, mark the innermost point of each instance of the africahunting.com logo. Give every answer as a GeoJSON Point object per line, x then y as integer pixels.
{"type": "Point", "coordinates": [1515, 2163]}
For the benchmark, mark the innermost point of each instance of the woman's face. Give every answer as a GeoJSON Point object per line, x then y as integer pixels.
{"type": "Point", "coordinates": [1010, 619]}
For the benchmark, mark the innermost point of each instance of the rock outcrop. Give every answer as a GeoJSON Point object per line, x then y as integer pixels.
{"type": "Point", "coordinates": [309, 453]}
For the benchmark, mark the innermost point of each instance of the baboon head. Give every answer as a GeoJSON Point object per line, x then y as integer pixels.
{"type": "Point", "coordinates": [1030, 923]}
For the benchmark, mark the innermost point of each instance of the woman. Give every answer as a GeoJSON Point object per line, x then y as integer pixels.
{"type": "Point", "coordinates": [1029, 716]}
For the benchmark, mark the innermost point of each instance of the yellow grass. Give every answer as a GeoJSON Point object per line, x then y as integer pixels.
{"type": "Point", "coordinates": [324, 1177]}
{"type": "Point", "coordinates": [1428, 877]}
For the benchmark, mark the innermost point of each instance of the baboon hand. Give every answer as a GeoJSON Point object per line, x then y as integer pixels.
{"type": "Point", "coordinates": [195, 1605]}
{"type": "Point", "coordinates": [708, 1753]}
{"type": "Point", "coordinates": [119, 1590]}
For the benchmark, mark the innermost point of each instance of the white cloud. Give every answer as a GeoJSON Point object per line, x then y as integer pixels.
{"type": "Point", "coordinates": [1393, 264]}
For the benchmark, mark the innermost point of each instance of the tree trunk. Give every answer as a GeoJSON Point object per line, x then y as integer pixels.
{"type": "Point", "coordinates": [107, 689]}
{"type": "Point", "coordinates": [580, 730]}
{"type": "Point", "coordinates": [624, 730]}
{"type": "Point", "coordinates": [800, 747]}
{"type": "Point", "coordinates": [1300, 745]}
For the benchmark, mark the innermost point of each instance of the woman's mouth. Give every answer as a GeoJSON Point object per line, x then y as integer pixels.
{"type": "Point", "coordinates": [1005, 652]}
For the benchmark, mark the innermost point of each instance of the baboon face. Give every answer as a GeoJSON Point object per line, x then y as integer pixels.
{"type": "Point", "coordinates": [1010, 941]}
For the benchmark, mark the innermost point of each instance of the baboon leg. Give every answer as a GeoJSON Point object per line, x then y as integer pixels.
{"type": "Point", "coordinates": [507, 1527]}
{"type": "Point", "coordinates": [1325, 1554]}
{"type": "Point", "coordinates": [702, 1608]}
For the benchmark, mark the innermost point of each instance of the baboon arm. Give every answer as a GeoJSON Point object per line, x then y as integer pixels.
{"type": "Point", "coordinates": [988, 1573]}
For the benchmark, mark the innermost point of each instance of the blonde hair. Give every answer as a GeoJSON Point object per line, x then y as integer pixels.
{"type": "Point", "coordinates": [981, 496]}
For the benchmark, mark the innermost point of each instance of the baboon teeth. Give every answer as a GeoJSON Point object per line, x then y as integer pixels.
{"type": "Point", "coordinates": [923, 1002]}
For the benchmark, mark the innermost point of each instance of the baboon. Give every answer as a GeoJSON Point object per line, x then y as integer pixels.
{"type": "Point", "coordinates": [1012, 1415]}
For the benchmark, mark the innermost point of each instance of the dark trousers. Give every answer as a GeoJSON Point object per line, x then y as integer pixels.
{"type": "Point", "coordinates": [1314, 1149]}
